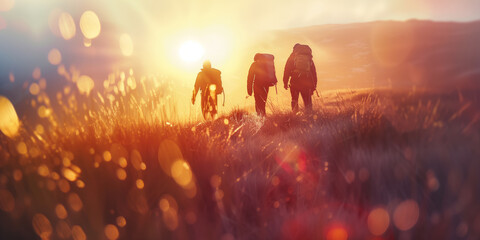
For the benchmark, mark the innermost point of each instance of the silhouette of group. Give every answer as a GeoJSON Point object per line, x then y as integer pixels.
{"type": "Point", "coordinates": [299, 75]}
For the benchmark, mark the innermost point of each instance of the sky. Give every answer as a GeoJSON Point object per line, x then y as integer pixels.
{"type": "Point", "coordinates": [155, 30]}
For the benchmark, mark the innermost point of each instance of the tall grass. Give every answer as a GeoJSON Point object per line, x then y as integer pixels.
{"type": "Point", "coordinates": [318, 175]}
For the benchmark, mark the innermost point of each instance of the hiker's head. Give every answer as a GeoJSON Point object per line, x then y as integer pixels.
{"type": "Point", "coordinates": [207, 64]}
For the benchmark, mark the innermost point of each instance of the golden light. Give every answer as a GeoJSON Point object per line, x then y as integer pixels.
{"type": "Point", "coordinates": [213, 87]}
{"type": "Point", "coordinates": [66, 26]}
{"type": "Point", "coordinates": [69, 174]}
{"type": "Point", "coordinates": [337, 233]}
{"type": "Point", "coordinates": [6, 5]}
{"type": "Point", "coordinates": [9, 123]}
{"type": "Point", "coordinates": [85, 84]}
{"type": "Point", "coordinates": [54, 57]}
{"type": "Point", "coordinates": [126, 44]}
{"type": "Point", "coordinates": [181, 173]}
{"type": "Point", "coordinates": [191, 51]}
{"type": "Point", "coordinates": [90, 24]}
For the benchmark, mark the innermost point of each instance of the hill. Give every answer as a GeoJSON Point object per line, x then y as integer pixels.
{"type": "Point", "coordinates": [389, 163]}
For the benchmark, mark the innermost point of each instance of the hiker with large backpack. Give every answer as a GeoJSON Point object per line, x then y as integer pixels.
{"type": "Point", "coordinates": [209, 82]}
{"type": "Point", "coordinates": [301, 72]}
{"type": "Point", "coordinates": [261, 77]}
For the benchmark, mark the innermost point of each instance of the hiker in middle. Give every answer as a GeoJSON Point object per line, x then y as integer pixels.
{"type": "Point", "coordinates": [301, 72]}
{"type": "Point", "coordinates": [261, 77]}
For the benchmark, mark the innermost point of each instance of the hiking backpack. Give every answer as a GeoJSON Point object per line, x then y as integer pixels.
{"type": "Point", "coordinates": [302, 59]}
{"type": "Point", "coordinates": [266, 73]}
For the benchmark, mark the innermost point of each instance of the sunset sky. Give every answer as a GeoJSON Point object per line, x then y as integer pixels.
{"type": "Point", "coordinates": [158, 29]}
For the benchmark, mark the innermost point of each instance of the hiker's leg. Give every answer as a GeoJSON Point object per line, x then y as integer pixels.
{"type": "Point", "coordinates": [294, 93]}
{"type": "Point", "coordinates": [203, 104]}
{"type": "Point", "coordinates": [307, 99]}
{"type": "Point", "coordinates": [260, 100]}
{"type": "Point", "coordinates": [265, 90]}
{"type": "Point", "coordinates": [258, 103]}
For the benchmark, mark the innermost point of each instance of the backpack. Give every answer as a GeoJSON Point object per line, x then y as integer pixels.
{"type": "Point", "coordinates": [302, 59]}
{"type": "Point", "coordinates": [213, 77]}
{"type": "Point", "coordinates": [265, 69]}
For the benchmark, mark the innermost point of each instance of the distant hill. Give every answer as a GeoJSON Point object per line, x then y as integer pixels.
{"type": "Point", "coordinates": [386, 53]}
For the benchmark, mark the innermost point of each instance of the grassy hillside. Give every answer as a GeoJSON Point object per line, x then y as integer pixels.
{"type": "Point", "coordinates": [387, 163]}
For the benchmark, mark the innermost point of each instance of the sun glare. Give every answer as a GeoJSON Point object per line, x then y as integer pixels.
{"type": "Point", "coordinates": [191, 51]}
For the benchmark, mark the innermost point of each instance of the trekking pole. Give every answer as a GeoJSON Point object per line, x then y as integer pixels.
{"type": "Point", "coordinates": [317, 93]}
{"type": "Point", "coordinates": [276, 91]}
{"type": "Point", "coordinates": [223, 105]}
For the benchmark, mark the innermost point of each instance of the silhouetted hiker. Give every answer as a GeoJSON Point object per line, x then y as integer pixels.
{"type": "Point", "coordinates": [301, 72]}
{"type": "Point", "coordinates": [261, 77]}
{"type": "Point", "coordinates": [209, 82]}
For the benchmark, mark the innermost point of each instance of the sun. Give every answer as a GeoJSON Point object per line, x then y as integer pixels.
{"type": "Point", "coordinates": [191, 51]}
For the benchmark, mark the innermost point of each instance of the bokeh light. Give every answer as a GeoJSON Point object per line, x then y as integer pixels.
{"type": "Point", "coordinates": [54, 56]}
{"type": "Point", "coordinates": [126, 44]}
{"type": "Point", "coordinates": [406, 215]}
{"type": "Point", "coordinates": [66, 26]}
{"type": "Point", "coordinates": [111, 232]}
{"type": "Point", "coordinates": [337, 233]}
{"type": "Point", "coordinates": [7, 201]}
{"type": "Point", "coordinates": [85, 84]}
{"type": "Point", "coordinates": [90, 24]}
{"type": "Point", "coordinates": [61, 212]}
{"type": "Point", "coordinates": [78, 233]}
{"type": "Point", "coordinates": [121, 221]}
{"type": "Point", "coordinates": [378, 221]}
{"type": "Point", "coordinates": [42, 226]}
{"type": "Point", "coordinates": [181, 173]}
{"type": "Point", "coordinates": [9, 122]}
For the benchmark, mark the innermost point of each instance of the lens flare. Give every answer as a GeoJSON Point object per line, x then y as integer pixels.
{"type": "Point", "coordinates": [90, 24]}
{"type": "Point", "coordinates": [9, 123]}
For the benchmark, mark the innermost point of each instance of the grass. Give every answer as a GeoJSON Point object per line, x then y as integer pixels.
{"type": "Point", "coordinates": [411, 156]}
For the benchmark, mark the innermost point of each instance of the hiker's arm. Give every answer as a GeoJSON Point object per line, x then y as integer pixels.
{"type": "Point", "coordinates": [251, 74]}
{"type": "Point", "coordinates": [314, 74]}
{"type": "Point", "coordinates": [287, 71]}
{"type": "Point", "coordinates": [196, 88]}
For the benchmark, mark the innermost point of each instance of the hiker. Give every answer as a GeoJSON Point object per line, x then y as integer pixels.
{"type": "Point", "coordinates": [301, 72]}
{"type": "Point", "coordinates": [261, 77]}
{"type": "Point", "coordinates": [209, 82]}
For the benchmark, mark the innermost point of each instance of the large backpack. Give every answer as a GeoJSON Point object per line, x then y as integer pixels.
{"type": "Point", "coordinates": [213, 76]}
{"type": "Point", "coordinates": [302, 59]}
{"type": "Point", "coordinates": [265, 69]}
